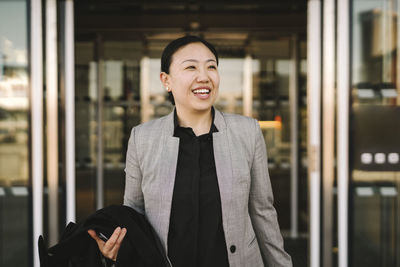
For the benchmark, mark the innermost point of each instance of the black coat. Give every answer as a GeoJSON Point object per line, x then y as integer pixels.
{"type": "Point", "coordinates": [140, 247]}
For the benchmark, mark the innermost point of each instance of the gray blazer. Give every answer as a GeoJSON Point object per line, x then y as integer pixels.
{"type": "Point", "coordinates": [249, 218]}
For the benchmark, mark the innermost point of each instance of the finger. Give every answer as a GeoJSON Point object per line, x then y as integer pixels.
{"type": "Point", "coordinates": [115, 249]}
{"type": "Point", "coordinates": [93, 235]}
{"type": "Point", "coordinates": [113, 238]}
{"type": "Point", "coordinates": [120, 237]}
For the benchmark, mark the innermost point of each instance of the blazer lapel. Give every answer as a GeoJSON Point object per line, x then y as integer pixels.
{"type": "Point", "coordinates": [167, 173]}
{"type": "Point", "coordinates": [223, 164]}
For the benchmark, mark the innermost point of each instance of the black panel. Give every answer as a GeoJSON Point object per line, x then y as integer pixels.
{"type": "Point", "coordinates": [375, 129]}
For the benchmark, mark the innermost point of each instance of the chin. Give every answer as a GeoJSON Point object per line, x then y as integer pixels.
{"type": "Point", "coordinates": [196, 106]}
{"type": "Point", "coordinates": [203, 106]}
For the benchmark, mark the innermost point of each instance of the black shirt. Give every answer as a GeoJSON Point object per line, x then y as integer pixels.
{"type": "Point", "coordinates": [196, 237]}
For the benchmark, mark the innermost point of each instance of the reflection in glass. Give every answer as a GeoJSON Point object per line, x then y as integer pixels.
{"type": "Point", "coordinates": [14, 127]}
{"type": "Point", "coordinates": [271, 68]}
{"type": "Point", "coordinates": [374, 136]}
{"type": "Point", "coordinates": [121, 111]}
{"type": "Point", "coordinates": [230, 96]}
{"type": "Point", "coordinates": [85, 130]}
{"type": "Point", "coordinates": [271, 72]}
{"type": "Point", "coordinates": [375, 44]}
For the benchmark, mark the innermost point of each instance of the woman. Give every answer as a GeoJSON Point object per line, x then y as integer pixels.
{"type": "Point", "coordinates": [199, 175]}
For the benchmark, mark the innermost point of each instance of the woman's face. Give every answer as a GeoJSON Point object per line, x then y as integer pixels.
{"type": "Point", "coordinates": [193, 78]}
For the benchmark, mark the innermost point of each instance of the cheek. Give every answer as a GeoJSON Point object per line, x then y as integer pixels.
{"type": "Point", "coordinates": [183, 80]}
{"type": "Point", "coordinates": [215, 79]}
{"type": "Point", "coordinates": [182, 84]}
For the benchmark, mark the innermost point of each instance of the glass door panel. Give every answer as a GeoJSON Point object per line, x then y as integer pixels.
{"type": "Point", "coordinates": [14, 135]}
{"type": "Point", "coordinates": [271, 68]}
{"type": "Point", "coordinates": [273, 112]}
{"type": "Point", "coordinates": [120, 108]}
{"type": "Point", "coordinates": [374, 134]}
{"type": "Point", "coordinates": [85, 122]}
{"type": "Point", "coordinates": [230, 97]}
{"type": "Point", "coordinates": [121, 111]}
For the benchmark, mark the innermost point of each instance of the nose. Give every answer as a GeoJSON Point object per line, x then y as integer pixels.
{"type": "Point", "coordinates": [202, 75]}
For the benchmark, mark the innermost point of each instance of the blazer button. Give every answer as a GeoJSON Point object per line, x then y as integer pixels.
{"type": "Point", "coordinates": [233, 249]}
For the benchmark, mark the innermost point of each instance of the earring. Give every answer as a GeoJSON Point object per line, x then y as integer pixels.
{"type": "Point", "coordinates": [167, 89]}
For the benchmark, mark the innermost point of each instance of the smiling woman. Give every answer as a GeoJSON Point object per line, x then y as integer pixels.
{"type": "Point", "coordinates": [193, 80]}
{"type": "Point", "coordinates": [199, 175]}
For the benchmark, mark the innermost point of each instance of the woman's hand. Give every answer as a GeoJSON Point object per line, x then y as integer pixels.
{"type": "Point", "coordinates": [110, 248]}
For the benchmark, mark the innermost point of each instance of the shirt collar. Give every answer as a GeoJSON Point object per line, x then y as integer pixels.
{"type": "Point", "coordinates": [213, 128]}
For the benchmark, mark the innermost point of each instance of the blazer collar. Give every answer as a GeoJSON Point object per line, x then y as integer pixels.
{"type": "Point", "coordinates": [169, 126]}
{"type": "Point", "coordinates": [219, 120]}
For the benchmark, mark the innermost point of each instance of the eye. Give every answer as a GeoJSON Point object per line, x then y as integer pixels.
{"type": "Point", "coordinates": [212, 67]}
{"type": "Point", "coordinates": [191, 67]}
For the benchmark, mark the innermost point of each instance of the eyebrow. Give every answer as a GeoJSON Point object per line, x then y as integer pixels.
{"type": "Point", "coordinates": [195, 60]}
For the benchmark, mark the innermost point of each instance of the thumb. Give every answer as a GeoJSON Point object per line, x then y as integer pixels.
{"type": "Point", "coordinates": [93, 235]}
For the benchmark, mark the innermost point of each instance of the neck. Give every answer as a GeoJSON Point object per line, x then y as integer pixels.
{"type": "Point", "coordinates": [200, 122]}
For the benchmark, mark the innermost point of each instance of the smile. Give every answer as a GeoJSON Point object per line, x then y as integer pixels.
{"type": "Point", "coordinates": [201, 91]}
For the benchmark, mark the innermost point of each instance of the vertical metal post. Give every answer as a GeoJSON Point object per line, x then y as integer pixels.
{"type": "Point", "coordinates": [314, 118]}
{"type": "Point", "coordinates": [294, 135]}
{"type": "Point", "coordinates": [247, 87]}
{"type": "Point", "coordinates": [328, 130]}
{"type": "Point", "coordinates": [145, 89]}
{"type": "Point", "coordinates": [343, 105]}
{"type": "Point", "coordinates": [100, 104]}
{"type": "Point", "coordinates": [70, 110]}
{"type": "Point", "coordinates": [36, 96]}
{"type": "Point", "coordinates": [52, 118]}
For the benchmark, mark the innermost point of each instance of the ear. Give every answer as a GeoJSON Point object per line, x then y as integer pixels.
{"type": "Point", "coordinates": [164, 78]}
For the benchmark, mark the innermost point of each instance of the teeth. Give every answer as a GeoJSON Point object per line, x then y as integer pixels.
{"type": "Point", "coordinates": [201, 91]}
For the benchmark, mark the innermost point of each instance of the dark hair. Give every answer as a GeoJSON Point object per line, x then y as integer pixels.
{"type": "Point", "coordinates": [174, 46]}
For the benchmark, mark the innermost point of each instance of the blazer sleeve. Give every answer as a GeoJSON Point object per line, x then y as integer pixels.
{"type": "Point", "coordinates": [262, 212]}
{"type": "Point", "coordinates": [133, 196]}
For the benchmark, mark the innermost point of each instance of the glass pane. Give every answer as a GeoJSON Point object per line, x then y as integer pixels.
{"type": "Point", "coordinates": [374, 136]}
{"type": "Point", "coordinates": [121, 112]}
{"type": "Point", "coordinates": [230, 96]}
{"type": "Point", "coordinates": [271, 66]}
{"type": "Point", "coordinates": [14, 132]}
{"type": "Point", "coordinates": [85, 128]}
{"type": "Point", "coordinates": [271, 74]}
